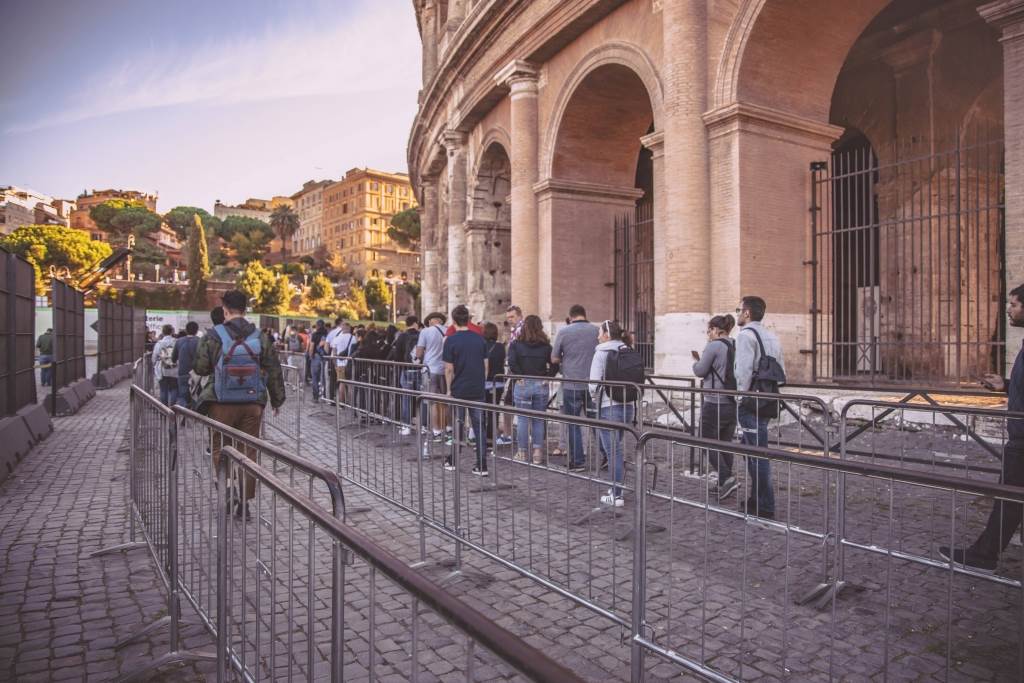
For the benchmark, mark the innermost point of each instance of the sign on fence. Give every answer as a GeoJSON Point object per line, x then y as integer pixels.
{"type": "Point", "coordinates": [17, 343]}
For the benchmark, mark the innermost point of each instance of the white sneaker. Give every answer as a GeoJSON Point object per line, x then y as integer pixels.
{"type": "Point", "coordinates": [609, 499]}
{"type": "Point", "coordinates": [404, 431]}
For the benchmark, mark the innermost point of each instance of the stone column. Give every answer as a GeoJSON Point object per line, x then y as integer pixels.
{"type": "Point", "coordinates": [455, 143]}
{"type": "Point", "coordinates": [428, 238]}
{"type": "Point", "coordinates": [1008, 17]}
{"type": "Point", "coordinates": [682, 217]}
{"type": "Point", "coordinates": [428, 36]}
{"type": "Point", "coordinates": [456, 13]}
{"type": "Point", "coordinates": [521, 79]}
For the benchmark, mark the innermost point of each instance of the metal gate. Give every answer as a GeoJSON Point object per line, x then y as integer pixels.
{"type": "Point", "coordinates": [908, 260]}
{"type": "Point", "coordinates": [634, 277]}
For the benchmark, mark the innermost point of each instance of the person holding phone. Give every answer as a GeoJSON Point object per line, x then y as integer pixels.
{"type": "Point", "coordinates": [1005, 518]}
{"type": "Point", "coordinates": [717, 410]}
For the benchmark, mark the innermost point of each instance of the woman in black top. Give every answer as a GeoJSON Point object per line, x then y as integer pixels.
{"type": "Point", "coordinates": [530, 355]}
{"type": "Point", "coordinates": [495, 351]}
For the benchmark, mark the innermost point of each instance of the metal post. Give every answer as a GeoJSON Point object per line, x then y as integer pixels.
{"type": "Point", "coordinates": [639, 567]}
{"type": "Point", "coordinates": [222, 574]}
{"type": "Point", "coordinates": [173, 599]}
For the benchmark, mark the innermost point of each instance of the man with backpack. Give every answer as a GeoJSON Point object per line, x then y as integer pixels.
{"type": "Point", "coordinates": [615, 360]}
{"type": "Point", "coordinates": [165, 370]}
{"type": "Point", "coordinates": [759, 368]}
{"type": "Point", "coordinates": [573, 351]}
{"type": "Point", "coordinates": [245, 369]}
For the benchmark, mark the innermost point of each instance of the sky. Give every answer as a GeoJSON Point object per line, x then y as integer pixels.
{"type": "Point", "coordinates": [200, 100]}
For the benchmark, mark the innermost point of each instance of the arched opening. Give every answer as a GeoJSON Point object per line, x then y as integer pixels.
{"type": "Point", "coordinates": [896, 106]}
{"type": "Point", "coordinates": [602, 181]}
{"type": "Point", "coordinates": [916, 220]}
{"type": "Point", "coordinates": [488, 236]}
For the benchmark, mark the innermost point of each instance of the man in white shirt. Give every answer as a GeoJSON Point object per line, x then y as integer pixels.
{"type": "Point", "coordinates": [429, 347]}
{"type": "Point", "coordinates": [341, 345]}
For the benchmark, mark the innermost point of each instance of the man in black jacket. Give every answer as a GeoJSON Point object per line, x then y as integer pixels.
{"type": "Point", "coordinates": [408, 378]}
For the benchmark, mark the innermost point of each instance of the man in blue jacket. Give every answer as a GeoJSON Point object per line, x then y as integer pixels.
{"type": "Point", "coordinates": [184, 355]}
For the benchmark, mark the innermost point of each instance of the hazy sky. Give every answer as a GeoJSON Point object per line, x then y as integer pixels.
{"type": "Point", "coordinates": [203, 99]}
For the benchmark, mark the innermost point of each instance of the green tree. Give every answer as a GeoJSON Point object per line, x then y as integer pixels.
{"type": "Point", "coordinates": [180, 218]}
{"type": "Point", "coordinates": [54, 245]}
{"type": "Point", "coordinates": [285, 223]}
{"type": "Point", "coordinates": [405, 229]}
{"type": "Point", "coordinates": [356, 302]}
{"type": "Point", "coordinates": [198, 263]}
{"type": "Point", "coordinates": [102, 214]}
{"type": "Point", "coordinates": [268, 291]}
{"type": "Point", "coordinates": [320, 297]}
{"type": "Point", "coordinates": [253, 279]}
{"type": "Point", "coordinates": [277, 296]}
{"type": "Point", "coordinates": [233, 225]}
{"type": "Point", "coordinates": [122, 217]}
{"type": "Point", "coordinates": [249, 247]}
{"type": "Point", "coordinates": [378, 297]}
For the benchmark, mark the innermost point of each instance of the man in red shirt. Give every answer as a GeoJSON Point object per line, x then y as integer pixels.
{"type": "Point", "coordinates": [473, 327]}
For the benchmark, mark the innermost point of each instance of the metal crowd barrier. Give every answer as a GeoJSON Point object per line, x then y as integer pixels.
{"type": "Point", "coordinates": [746, 577]}
{"type": "Point", "coordinates": [714, 595]}
{"type": "Point", "coordinates": [288, 419]}
{"type": "Point", "coordinates": [378, 633]}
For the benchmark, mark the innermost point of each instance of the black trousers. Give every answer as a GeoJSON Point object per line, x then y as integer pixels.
{"type": "Point", "coordinates": [718, 421]}
{"type": "Point", "coordinates": [1005, 518]}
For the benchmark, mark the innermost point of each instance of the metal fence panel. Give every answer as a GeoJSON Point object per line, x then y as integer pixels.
{"type": "Point", "coordinates": [68, 334]}
{"type": "Point", "coordinates": [17, 341]}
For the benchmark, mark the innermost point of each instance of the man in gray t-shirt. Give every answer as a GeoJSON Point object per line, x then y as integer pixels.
{"type": "Point", "coordinates": [573, 352]}
{"type": "Point", "coordinates": [429, 347]}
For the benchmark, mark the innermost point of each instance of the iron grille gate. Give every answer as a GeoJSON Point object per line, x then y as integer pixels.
{"type": "Point", "coordinates": [634, 277]}
{"type": "Point", "coordinates": [909, 261]}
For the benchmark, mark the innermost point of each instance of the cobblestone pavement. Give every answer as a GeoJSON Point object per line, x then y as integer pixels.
{"type": "Point", "coordinates": [722, 588]}
{"type": "Point", "coordinates": [61, 611]}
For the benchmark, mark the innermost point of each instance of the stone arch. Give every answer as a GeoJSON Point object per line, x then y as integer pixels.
{"type": "Point", "coordinates": [489, 231]}
{"type": "Point", "coordinates": [759, 65]}
{"type": "Point", "coordinates": [613, 54]}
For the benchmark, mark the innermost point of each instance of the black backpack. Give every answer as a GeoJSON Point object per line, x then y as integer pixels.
{"type": "Point", "coordinates": [768, 378]}
{"type": "Point", "coordinates": [624, 365]}
{"type": "Point", "coordinates": [729, 381]}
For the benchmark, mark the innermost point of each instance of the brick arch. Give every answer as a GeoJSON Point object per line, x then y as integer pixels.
{"type": "Point", "coordinates": [630, 70]}
{"type": "Point", "coordinates": [787, 54]}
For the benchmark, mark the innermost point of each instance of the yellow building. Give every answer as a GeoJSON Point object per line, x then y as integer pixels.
{"type": "Point", "coordinates": [357, 211]}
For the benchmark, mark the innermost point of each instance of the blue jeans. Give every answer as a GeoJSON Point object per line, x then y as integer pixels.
{"type": "Point", "coordinates": [533, 395]}
{"type": "Point", "coordinates": [476, 419]}
{"type": "Point", "coordinates": [409, 379]}
{"type": "Point", "coordinates": [574, 402]}
{"type": "Point", "coordinates": [46, 372]}
{"type": "Point", "coordinates": [168, 390]}
{"type": "Point", "coordinates": [611, 441]}
{"type": "Point", "coordinates": [316, 365]}
{"type": "Point", "coordinates": [755, 433]}
{"type": "Point", "coordinates": [184, 398]}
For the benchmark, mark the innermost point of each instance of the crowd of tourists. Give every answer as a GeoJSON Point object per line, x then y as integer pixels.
{"type": "Point", "coordinates": [232, 371]}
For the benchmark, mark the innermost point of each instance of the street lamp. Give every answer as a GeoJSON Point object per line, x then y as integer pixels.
{"type": "Point", "coordinates": [393, 282]}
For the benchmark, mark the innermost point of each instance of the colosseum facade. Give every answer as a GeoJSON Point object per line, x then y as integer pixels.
{"type": "Point", "coordinates": [857, 163]}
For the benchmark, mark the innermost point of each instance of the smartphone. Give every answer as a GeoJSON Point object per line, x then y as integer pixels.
{"type": "Point", "coordinates": [696, 356]}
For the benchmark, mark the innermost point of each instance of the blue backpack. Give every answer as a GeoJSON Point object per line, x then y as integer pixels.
{"type": "Point", "coordinates": [237, 377]}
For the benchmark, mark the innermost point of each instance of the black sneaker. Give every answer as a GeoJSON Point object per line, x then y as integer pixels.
{"type": "Point", "coordinates": [580, 467]}
{"type": "Point", "coordinates": [969, 559]}
{"type": "Point", "coordinates": [480, 472]}
{"type": "Point", "coordinates": [449, 464]}
{"type": "Point", "coordinates": [749, 507]}
{"type": "Point", "coordinates": [604, 465]}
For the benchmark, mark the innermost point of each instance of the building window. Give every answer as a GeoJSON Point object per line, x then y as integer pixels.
{"type": "Point", "coordinates": [374, 186]}
{"type": "Point", "coordinates": [344, 208]}
{"type": "Point", "coordinates": [389, 188]}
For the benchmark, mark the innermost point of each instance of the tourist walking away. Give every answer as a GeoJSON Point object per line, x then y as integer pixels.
{"type": "Point", "coordinates": [315, 355]}
{"type": "Point", "coordinates": [45, 347]}
{"type": "Point", "coordinates": [718, 411]}
{"type": "Point", "coordinates": [246, 371]}
{"type": "Point", "coordinates": [465, 368]}
{"type": "Point", "coordinates": [404, 351]}
{"type": "Point", "coordinates": [514, 323]}
{"type": "Point", "coordinates": [759, 368]}
{"type": "Point", "coordinates": [332, 372]}
{"type": "Point", "coordinates": [165, 370]}
{"type": "Point", "coordinates": [495, 366]}
{"type": "Point", "coordinates": [530, 354]}
{"type": "Point", "coordinates": [615, 360]}
{"type": "Point", "coordinates": [365, 371]}
{"type": "Point", "coordinates": [429, 349]}
{"type": "Point", "coordinates": [184, 356]}
{"type": "Point", "coordinates": [573, 351]}
{"type": "Point", "coordinates": [1005, 518]}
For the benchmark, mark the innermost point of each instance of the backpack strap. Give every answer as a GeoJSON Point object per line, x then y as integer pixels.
{"type": "Point", "coordinates": [227, 341]}
{"type": "Point", "coordinates": [753, 375]}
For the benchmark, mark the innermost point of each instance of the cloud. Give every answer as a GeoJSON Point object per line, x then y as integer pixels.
{"type": "Point", "coordinates": [365, 50]}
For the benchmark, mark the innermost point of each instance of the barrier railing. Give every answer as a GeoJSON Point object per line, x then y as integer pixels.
{"type": "Point", "coordinates": [287, 420]}
{"type": "Point", "coordinates": [386, 627]}
{"type": "Point", "coordinates": [743, 575]}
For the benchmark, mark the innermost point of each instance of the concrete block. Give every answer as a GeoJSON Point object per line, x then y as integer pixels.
{"type": "Point", "coordinates": [101, 380]}
{"type": "Point", "coordinates": [15, 443]}
{"type": "Point", "coordinates": [68, 402]}
{"type": "Point", "coordinates": [37, 420]}
{"type": "Point", "coordinates": [85, 390]}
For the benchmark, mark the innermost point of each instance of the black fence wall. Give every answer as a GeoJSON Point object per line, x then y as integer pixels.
{"type": "Point", "coordinates": [122, 333]}
{"type": "Point", "coordinates": [17, 334]}
{"type": "Point", "coordinates": [68, 334]}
